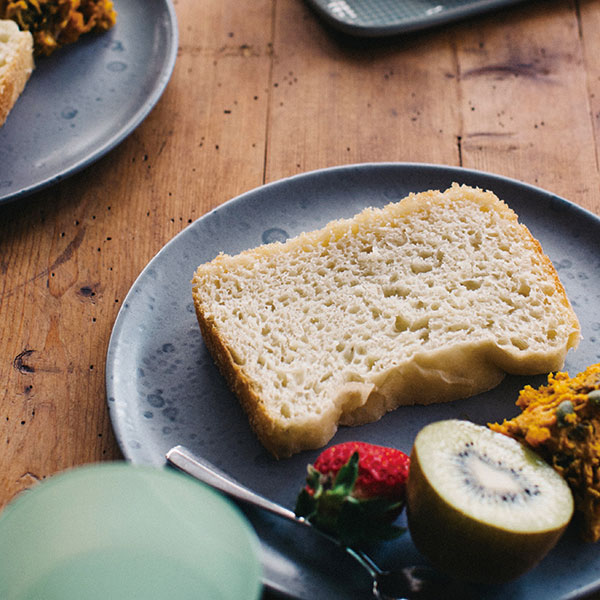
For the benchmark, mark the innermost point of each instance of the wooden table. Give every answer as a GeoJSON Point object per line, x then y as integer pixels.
{"type": "Point", "coordinates": [258, 93]}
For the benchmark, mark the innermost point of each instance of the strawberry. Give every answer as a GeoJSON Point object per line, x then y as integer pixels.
{"type": "Point", "coordinates": [355, 491]}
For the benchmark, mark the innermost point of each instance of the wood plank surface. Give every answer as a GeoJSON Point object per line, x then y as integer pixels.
{"type": "Point", "coordinates": [525, 102]}
{"type": "Point", "coordinates": [337, 100]}
{"type": "Point", "coordinates": [257, 94]}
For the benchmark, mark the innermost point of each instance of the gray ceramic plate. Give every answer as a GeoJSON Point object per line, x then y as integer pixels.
{"type": "Point", "coordinates": [376, 18]}
{"type": "Point", "coordinates": [163, 388]}
{"type": "Point", "coordinates": [87, 97]}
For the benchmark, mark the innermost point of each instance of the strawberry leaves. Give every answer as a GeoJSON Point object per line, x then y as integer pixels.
{"type": "Point", "coordinates": [329, 503]}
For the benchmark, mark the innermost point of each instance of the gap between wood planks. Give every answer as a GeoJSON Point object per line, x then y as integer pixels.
{"type": "Point", "coordinates": [577, 8]}
{"type": "Point", "coordinates": [270, 88]}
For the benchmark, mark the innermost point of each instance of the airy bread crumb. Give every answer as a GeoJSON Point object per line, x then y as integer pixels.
{"type": "Point", "coordinates": [427, 300]}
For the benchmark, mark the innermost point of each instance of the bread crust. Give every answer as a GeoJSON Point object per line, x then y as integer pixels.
{"type": "Point", "coordinates": [280, 443]}
{"type": "Point", "coordinates": [15, 73]}
{"type": "Point", "coordinates": [431, 376]}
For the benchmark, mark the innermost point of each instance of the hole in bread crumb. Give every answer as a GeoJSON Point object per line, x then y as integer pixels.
{"type": "Point", "coordinates": [389, 291]}
{"type": "Point", "coordinates": [507, 300]}
{"type": "Point", "coordinates": [237, 359]}
{"type": "Point", "coordinates": [519, 343]}
{"type": "Point", "coordinates": [548, 289]}
{"type": "Point", "coordinates": [353, 378]}
{"type": "Point", "coordinates": [401, 324]}
{"type": "Point", "coordinates": [471, 284]}
{"type": "Point", "coordinates": [318, 324]}
{"type": "Point", "coordinates": [524, 289]}
{"type": "Point", "coordinates": [420, 266]}
{"type": "Point", "coordinates": [552, 333]}
{"type": "Point", "coordinates": [285, 411]}
{"type": "Point", "coordinates": [420, 323]}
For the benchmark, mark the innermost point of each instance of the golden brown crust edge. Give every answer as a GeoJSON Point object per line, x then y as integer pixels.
{"type": "Point", "coordinates": [550, 270]}
{"type": "Point", "coordinates": [240, 385]}
{"type": "Point", "coordinates": [15, 78]}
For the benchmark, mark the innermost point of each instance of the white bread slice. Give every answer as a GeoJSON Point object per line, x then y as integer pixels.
{"type": "Point", "coordinates": [427, 300]}
{"type": "Point", "coordinates": [16, 64]}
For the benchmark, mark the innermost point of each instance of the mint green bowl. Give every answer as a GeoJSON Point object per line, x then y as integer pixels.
{"type": "Point", "coordinates": [114, 531]}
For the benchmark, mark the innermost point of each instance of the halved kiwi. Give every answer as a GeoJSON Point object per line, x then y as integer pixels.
{"type": "Point", "coordinates": [480, 505]}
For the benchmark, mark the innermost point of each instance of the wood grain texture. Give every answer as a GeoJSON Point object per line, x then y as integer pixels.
{"type": "Point", "coordinates": [337, 100]}
{"type": "Point", "coordinates": [257, 94]}
{"type": "Point", "coordinates": [525, 101]}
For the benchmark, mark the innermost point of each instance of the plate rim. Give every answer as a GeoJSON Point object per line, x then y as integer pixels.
{"type": "Point", "coordinates": [143, 110]}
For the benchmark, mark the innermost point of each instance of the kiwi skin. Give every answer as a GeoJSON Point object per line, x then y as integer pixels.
{"type": "Point", "coordinates": [463, 547]}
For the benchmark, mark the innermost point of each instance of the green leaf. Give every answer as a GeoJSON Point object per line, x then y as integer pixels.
{"type": "Point", "coordinates": [305, 504]}
{"type": "Point", "coordinates": [313, 479]}
{"type": "Point", "coordinates": [332, 508]}
{"type": "Point", "coordinates": [365, 521]}
{"type": "Point", "coordinates": [347, 476]}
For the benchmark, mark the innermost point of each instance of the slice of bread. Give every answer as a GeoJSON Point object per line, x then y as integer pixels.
{"type": "Point", "coordinates": [16, 64]}
{"type": "Point", "coordinates": [430, 299]}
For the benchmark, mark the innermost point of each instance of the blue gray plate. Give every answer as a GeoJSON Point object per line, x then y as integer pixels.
{"type": "Point", "coordinates": [377, 18]}
{"type": "Point", "coordinates": [87, 97]}
{"type": "Point", "coordinates": [163, 388]}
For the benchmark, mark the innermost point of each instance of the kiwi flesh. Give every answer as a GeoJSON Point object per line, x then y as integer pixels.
{"type": "Point", "coordinates": [481, 506]}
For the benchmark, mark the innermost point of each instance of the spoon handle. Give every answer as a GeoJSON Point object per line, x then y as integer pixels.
{"type": "Point", "coordinates": [204, 471]}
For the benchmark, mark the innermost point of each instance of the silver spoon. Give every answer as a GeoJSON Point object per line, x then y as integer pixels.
{"type": "Point", "coordinates": [411, 583]}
